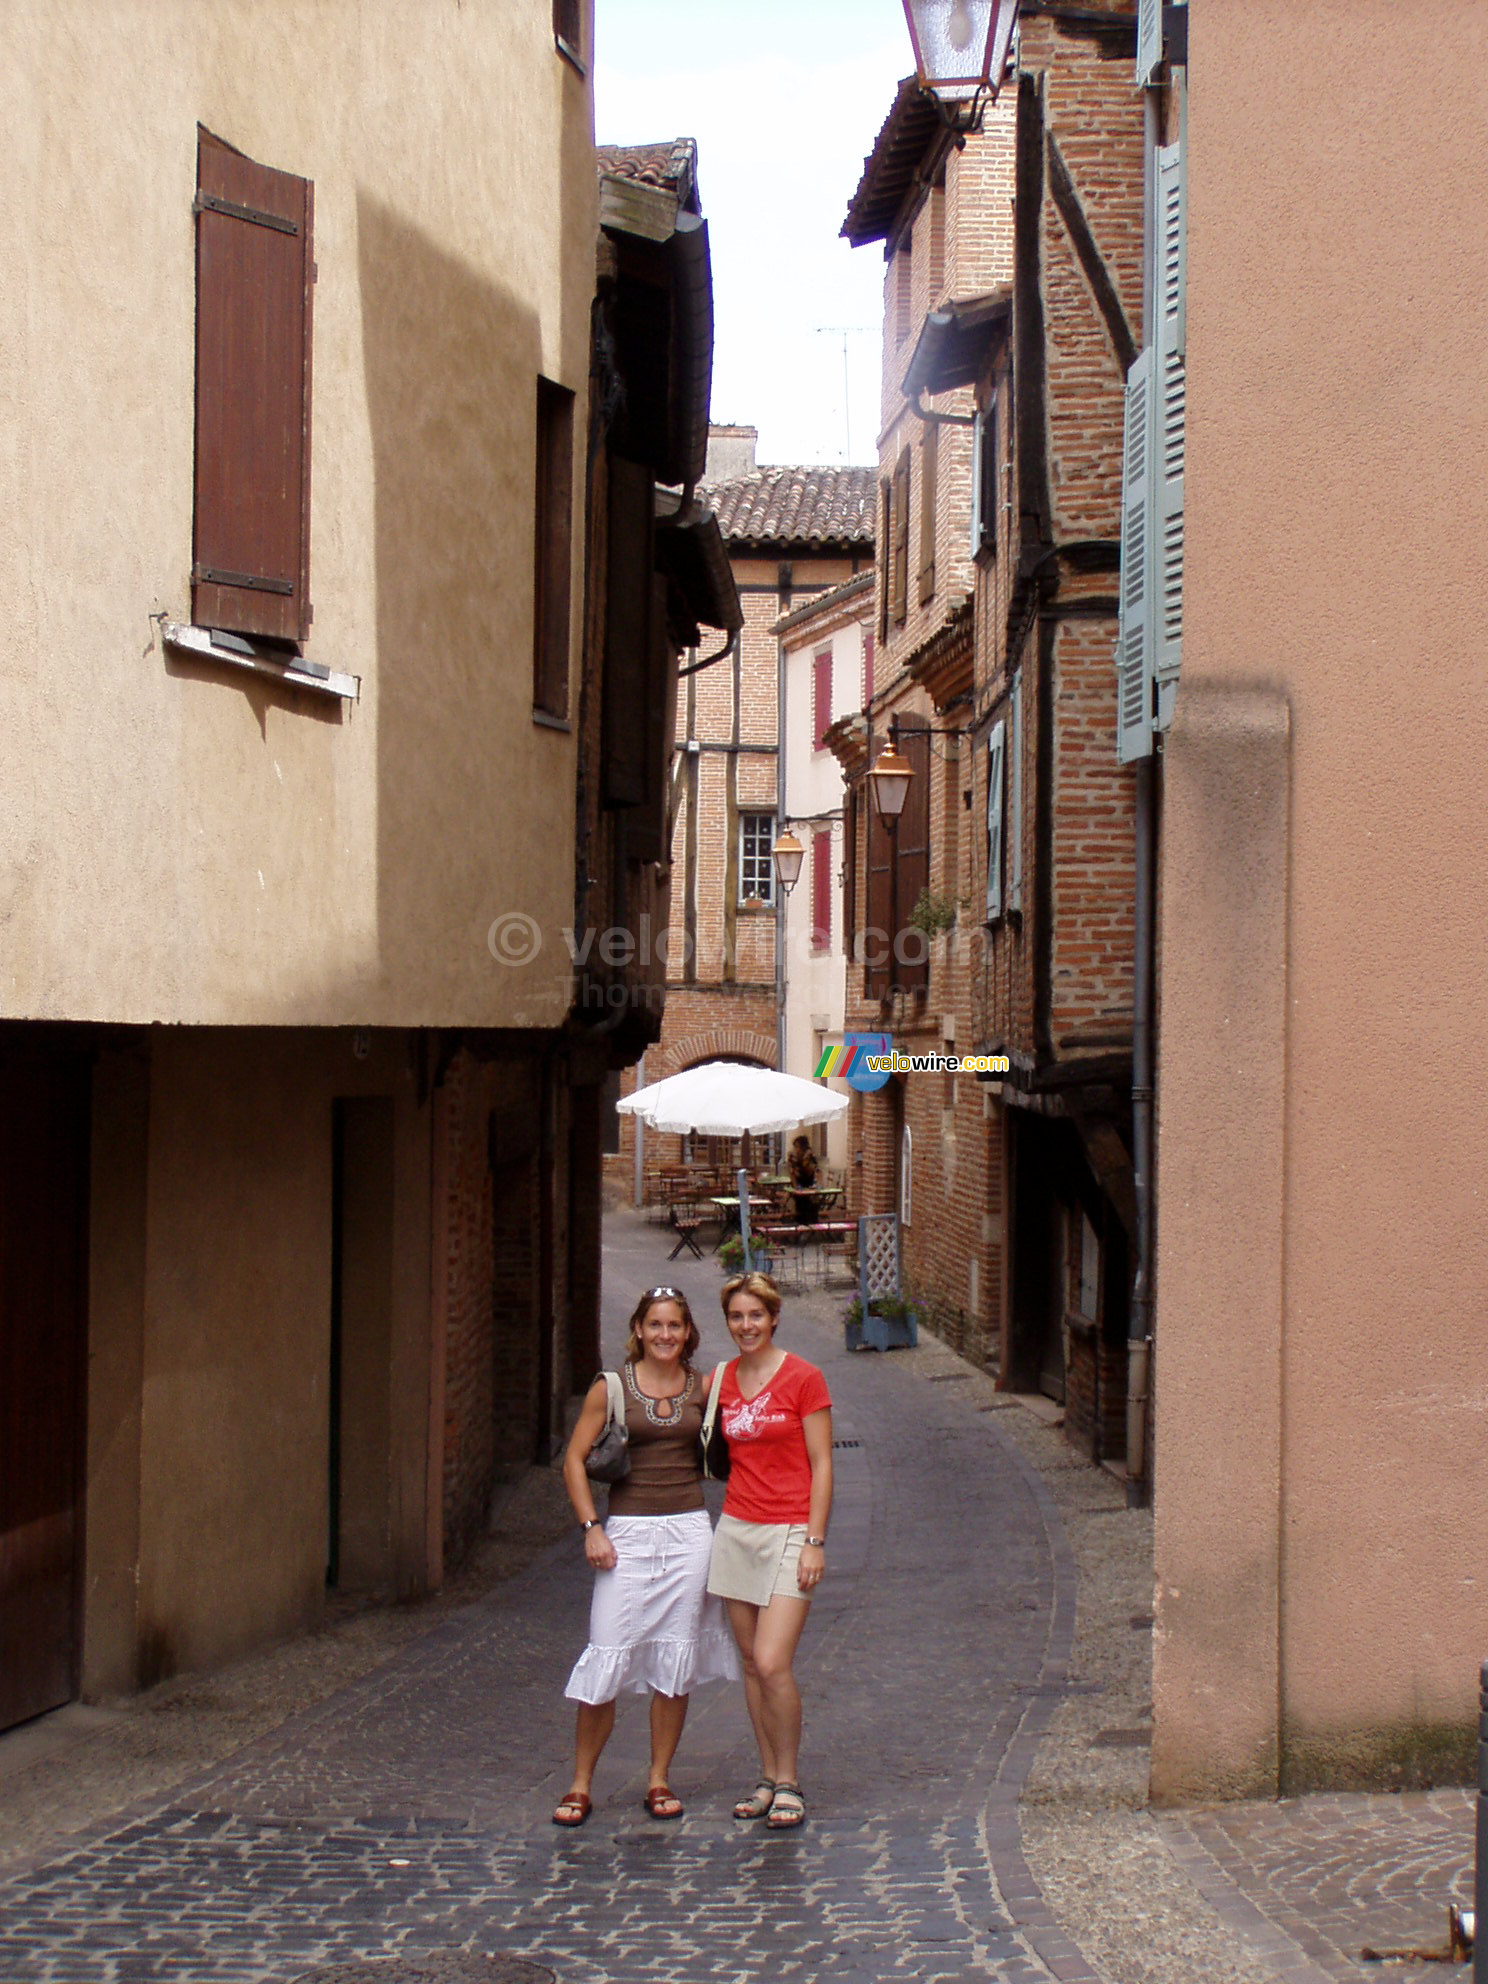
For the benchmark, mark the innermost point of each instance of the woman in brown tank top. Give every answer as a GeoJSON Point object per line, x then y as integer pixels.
{"type": "Point", "coordinates": [652, 1624]}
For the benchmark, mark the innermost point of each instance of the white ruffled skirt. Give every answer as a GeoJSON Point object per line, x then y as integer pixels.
{"type": "Point", "coordinates": [652, 1623]}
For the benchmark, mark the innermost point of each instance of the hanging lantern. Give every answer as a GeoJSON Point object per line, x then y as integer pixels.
{"type": "Point", "coordinates": [960, 46]}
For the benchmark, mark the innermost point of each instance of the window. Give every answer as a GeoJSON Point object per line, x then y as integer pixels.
{"type": "Point", "coordinates": [568, 31]}
{"type": "Point", "coordinates": [995, 748]}
{"type": "Point", "coordinates": [756, 870]}
{"type": "Point", "coordinates": [1014, 831]}
{"type": "Point", "coordinates": [822, 691]}
{"type": "Point", "coordinates": [929, 465]}
{"type": "Point", "coordinates": [899, 543]}
{"type": "Point", "coordinates": [984, 475]}
{"type": "Point", "coordinates": [906, 1175]}
{"type": "Point", "coordinates": [937, 244]}
{"type": "Point", "coordinates": [250, 567]}
{"type": "Point", "coordinates": [904, 287]}
{"type": "Point", "coordinates": [554, 549]}
{"type": "Point", "coordinates": [821, 892]}
{"type": "Point", "coordinates": [867, 666]}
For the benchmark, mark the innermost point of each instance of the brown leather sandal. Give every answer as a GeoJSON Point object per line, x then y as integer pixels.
{"type": "Point", "coordinates": [660, 1796]}
{"type": "Point", "coordinates": [573, 1809]}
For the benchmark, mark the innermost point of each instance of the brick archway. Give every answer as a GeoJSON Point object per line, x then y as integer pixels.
{"type": "Point", "coordinates": [714, 1044]}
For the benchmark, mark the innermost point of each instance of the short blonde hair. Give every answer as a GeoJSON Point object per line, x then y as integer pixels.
{"type": "Point", "coordinates": [752, 1284]}
{"type": "Point", "coordinates": [635, 1349]}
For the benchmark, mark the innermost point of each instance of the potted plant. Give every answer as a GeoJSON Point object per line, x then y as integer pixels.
{"type": "Point", "coordinates": [893, 1323]}
{"type": "Point", "coordinates": [731, 1255]}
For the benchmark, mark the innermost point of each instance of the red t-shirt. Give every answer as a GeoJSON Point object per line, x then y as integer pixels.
{"type": "Point", "coordinates": [769, 1471]}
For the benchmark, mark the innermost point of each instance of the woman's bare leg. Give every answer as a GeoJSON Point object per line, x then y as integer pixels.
{"type": "Point", "coordinates": [668, 1713]}
{"type": "Point", "coordinates": [596, 1720]}
{"type": "Point", "coordinates": [777, 1634]}
{"type": "Point", "coordinates": [744, 1618]}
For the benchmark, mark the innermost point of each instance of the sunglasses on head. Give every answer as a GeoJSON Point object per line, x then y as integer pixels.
{"type": "Point", "coordinates": [655, 1294]}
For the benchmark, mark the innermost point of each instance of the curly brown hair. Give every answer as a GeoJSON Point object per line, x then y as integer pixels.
{"type": "Point", "coordinates": [634, 1349]}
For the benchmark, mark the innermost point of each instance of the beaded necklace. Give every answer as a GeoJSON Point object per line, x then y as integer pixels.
{"type": "Point", "coordinates": [650, 1405]}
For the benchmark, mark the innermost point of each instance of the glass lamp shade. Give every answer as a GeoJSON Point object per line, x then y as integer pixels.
{"type": "Point", "coordinates": [960, 46]}
{"type": "Point", "coordinates": [788, 854]}
{"type": "Point", "coordinates": [890, 778]}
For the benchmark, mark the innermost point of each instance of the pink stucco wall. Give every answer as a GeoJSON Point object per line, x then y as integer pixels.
{"type": "Point", "coordinates": [1322, 1452]}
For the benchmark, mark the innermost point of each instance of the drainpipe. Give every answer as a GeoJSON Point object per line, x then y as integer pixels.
{"type": "Point", "coordinates": [1139, 1346]}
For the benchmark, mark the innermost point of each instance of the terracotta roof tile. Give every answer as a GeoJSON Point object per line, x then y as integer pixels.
{"type": "Point", "coordinates": [672, 164]}
{"type": "Point", "coordinates": [792, 505]}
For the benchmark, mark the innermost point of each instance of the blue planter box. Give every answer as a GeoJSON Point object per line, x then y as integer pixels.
{"type": "Point", "coordinates": [884, 1332]}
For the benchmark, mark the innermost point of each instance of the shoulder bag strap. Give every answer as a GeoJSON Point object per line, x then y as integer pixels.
{"type": "Point", "coordinates": [714, 1391]}
{"type": "Point", "coordinates": [614, 1398]}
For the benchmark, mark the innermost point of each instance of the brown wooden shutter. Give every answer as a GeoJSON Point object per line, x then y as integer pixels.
{"type": "Point", "coordinates": [877, 934]}
{"type": "Point", "coordinates": [627, 643]}
{"type": "Point", "coordinates": [867, 668]}
{"type": "Point", "coordinates": [554, 549]}
{"type": "Point", "coordinates": [912, 859]}
{"type": "Point", "coordinates": [899, 560]}
{"type": "Point", "coordinates": [849, 871]}
{"type": "Point", "coordinates": [885, 555]}
{"type": "Point", "coordinates": [254, 273]}
{"type": "Point", "coordinates": [929, 466]}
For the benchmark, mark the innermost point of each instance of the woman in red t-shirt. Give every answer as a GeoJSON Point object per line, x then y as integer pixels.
{"type": "Point", "coordinates": [768, 1549]}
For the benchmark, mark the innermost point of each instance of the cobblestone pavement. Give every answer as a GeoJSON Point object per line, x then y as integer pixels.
{"type": "Point", "coordinates": [973, 1765]}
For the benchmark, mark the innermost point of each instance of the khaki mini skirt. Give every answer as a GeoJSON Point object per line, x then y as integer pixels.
{"type": "Point", "coordinates": [756, 1561]}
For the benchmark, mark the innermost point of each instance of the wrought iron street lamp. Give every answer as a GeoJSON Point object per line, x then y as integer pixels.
{"type": "Point", "coordinates": [961, 49]}
{"type": "Point", "coordinates": [788, 854]}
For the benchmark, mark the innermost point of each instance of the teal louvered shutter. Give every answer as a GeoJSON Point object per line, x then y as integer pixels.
{"type": "Point", "coordinates": [1133, 659]}
{"type": "Point", "coordinates": [995, 748]}
{"type": "Point", "coordinates": [1167, 459]}
{"type": "Point", "coordinates": [1015, 795]}
{"type": "Point", "coordinates": [1149, 40]}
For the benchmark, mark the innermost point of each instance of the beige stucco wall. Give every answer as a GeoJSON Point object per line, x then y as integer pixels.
{"type": "Point", "coordinates": [1321, 1487]}
{"type": "Point", "coordinates": [180, 842]}
{"type": "Point", "coordinates": [211, 1250]}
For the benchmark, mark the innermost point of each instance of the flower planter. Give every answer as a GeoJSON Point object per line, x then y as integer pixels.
{"type": "Point", "coordinates": [898, 1329]}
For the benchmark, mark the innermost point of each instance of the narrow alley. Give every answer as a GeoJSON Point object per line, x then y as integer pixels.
{"type": "Point", "coordinates": [975, 1768]}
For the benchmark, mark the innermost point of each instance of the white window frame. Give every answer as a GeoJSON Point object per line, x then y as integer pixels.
{"type": "Point", "coordinates": [765, 823]}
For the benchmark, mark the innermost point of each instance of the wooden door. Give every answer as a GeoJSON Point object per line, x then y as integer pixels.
{"type": "Point", "coordinates": [43, 1284]}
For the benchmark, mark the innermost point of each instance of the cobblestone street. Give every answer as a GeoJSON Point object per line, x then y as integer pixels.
{"type": "Point", "coordinates": [973, 1764]}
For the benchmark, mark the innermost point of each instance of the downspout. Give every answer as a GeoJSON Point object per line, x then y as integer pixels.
{"type": "Point", "coordinates": [1139, 1327]}
{"type": "Point", "coordinates": [1139, 1345]}
{"type": "Point", "coordinates": [783, 814]}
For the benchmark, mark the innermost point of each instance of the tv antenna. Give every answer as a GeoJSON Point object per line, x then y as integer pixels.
{"type": "Point", "coordinates": [844, 331]}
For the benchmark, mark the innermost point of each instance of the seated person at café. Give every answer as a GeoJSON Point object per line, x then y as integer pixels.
{"type": "Point", "coordinates": [801, 1164]}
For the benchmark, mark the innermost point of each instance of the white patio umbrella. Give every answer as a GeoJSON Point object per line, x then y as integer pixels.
{"type": "Point", "coordinates": [732, 1099]}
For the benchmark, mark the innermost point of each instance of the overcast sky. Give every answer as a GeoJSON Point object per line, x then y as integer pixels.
{"type": "Point", "coordinates": [785, 98]}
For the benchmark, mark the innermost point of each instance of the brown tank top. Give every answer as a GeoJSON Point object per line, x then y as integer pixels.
{"type": "Point", "coordinates": [664, 1479]}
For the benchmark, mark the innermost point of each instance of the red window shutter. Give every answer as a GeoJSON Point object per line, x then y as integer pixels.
{"type": "Point", "coordinates": [254, 272]}
{"type": "Point", "coordinates": [867, 668]}
{"type": "Point", "coordinates": [821, 892]}
{"type": "Point", "coordinates": [823, 722]}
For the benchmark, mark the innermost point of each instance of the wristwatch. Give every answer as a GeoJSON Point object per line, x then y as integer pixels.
{"type": "Point", "coordinates": [593, 1523]}
{"type": "Point", "coordinates": [819, 1542]}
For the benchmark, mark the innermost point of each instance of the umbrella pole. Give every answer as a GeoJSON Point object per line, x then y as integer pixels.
{"type": "Point", "coordinates": [744, 1161]}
